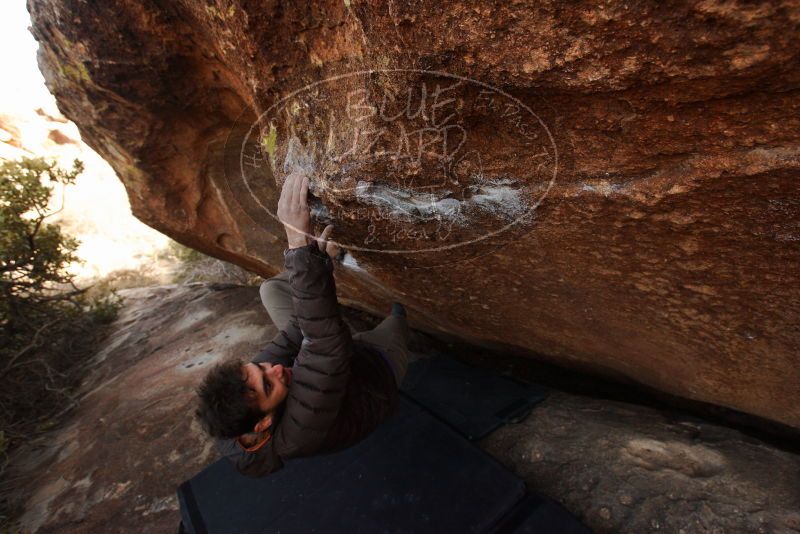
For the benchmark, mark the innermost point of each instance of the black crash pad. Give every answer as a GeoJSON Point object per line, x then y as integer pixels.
{"type": "Point", "coordinates": [474, 401]}
{"type": "Point", "coordinates": [413, 474]}
{"type": "Point", "coordinates": [540, 515]}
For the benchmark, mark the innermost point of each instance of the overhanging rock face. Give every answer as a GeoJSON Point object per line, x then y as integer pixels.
{"type": "Point", "coordinates": [614, 188]}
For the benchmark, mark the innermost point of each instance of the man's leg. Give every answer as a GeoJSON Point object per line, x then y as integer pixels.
{"type": "Point", "coordinates": [391, 336]}
{"type": "Point", "coordinates": [276, 295]}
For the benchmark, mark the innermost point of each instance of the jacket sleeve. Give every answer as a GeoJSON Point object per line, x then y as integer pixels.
{"type": "Point", "coordinates": [284, 346]}
{"type": "Point", "coordinates": [322, 367]}
{"type": "Point", "coordinates": [257, 463]}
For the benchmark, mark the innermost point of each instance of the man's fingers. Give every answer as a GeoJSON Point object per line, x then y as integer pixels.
{"type": "Point", "coordinates": [288, 187]}
{"type": "Point", "coordinates": [332, 249]}
{"type": "Point", "coordinates": [303, 199]}
{"type": "Point", "coordinates": [293, 210]}
{"type": "Point", "coordinates": [323, 237]}
{"type": "Point", "coordinates": [286, 192]}
{"type": "Point", "coordinates": [326, 232]}
{"type": "Point", "coordinates": [297, 185]}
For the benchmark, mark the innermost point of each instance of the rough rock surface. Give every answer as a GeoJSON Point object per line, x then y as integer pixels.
{"type": "Point", "coordinates": [610, 186]}
{"type": "Point", "coordinates": [115, 463]}
{"type": "Point", "coordinates": [625, 468]}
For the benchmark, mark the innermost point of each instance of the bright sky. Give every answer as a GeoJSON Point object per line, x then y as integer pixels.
{"type": "Point", "coordinates": [96, 208]}
{"type": "Point", "coordinates": [25, 87]}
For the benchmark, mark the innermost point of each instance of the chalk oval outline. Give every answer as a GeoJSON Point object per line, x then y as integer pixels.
{"type": "Point", "coordinates": [417, 71]}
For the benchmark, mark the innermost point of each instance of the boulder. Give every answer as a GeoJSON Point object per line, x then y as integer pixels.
{"type": "Point", "coordinates": [114, 463]}
{"type": "Point", "coordinates": [608, 187]}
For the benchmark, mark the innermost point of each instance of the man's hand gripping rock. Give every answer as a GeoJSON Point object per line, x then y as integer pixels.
{"type": "Point", "coordinates": [294, 214]}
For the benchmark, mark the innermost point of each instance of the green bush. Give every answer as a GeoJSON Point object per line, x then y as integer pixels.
{"type": "Point", "coordinates": [48, 326]}
{"type": "Point", "coordinates": [33, 254]}
{"type": "Point", "coordinates": [184, 254]}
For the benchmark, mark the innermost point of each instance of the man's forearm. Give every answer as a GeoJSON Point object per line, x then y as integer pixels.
{"type": "Point", "coordinates": [284, 346]}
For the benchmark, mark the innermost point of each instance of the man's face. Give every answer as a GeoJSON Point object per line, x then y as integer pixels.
{"type": "Point", "coordinates": [267, 385]}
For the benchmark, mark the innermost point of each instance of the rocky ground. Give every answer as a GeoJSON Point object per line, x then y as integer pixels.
{"type": "Point", "coordinates": [115, 462]}
{"type": "Point", "coordinates": [625, 468]}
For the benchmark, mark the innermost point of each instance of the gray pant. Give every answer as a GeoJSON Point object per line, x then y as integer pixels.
{"type": "Point", "coordinates": [390, 337]}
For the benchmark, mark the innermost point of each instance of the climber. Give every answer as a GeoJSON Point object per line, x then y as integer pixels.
{"type": "Point", "coordinates": [314, 388]}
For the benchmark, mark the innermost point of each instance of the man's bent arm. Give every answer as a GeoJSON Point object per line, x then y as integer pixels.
{"type": "Point", "coordinates": [284, 346]}
{"type": "Point", "coordinates": [322, 367]}
{"type": "Point", "coordinates": [255, 463]}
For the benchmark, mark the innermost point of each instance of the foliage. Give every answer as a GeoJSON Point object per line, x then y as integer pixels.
{"type": "Point", "coordinates": [184, 254]}
{"type": "Point", "coordinates": [141, 276]}
{"type": "Point", "coordinates": [194, 266]}
{"type": "Point", "coordinates": [48, 326]}
{"type": "Point", "coordinates": [33, 255]}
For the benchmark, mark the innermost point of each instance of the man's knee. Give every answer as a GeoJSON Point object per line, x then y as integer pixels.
{"type": "Point", "coordinates": [273, 286]}
{"type": "Point", "coordinates": [276, 296]}
{"type": "Point", "coordinates": [265, 288]}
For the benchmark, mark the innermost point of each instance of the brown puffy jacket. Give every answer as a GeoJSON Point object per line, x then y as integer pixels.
{"type": "Point", "coordinates": [340, 390]}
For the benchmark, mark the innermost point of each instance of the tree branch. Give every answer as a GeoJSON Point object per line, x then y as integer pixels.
{"type": "Point", "coordinates": [34, 342]}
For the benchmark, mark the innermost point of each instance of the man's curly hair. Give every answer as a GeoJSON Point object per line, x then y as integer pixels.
{"type": "Point", "coordinates": [223, 408]}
